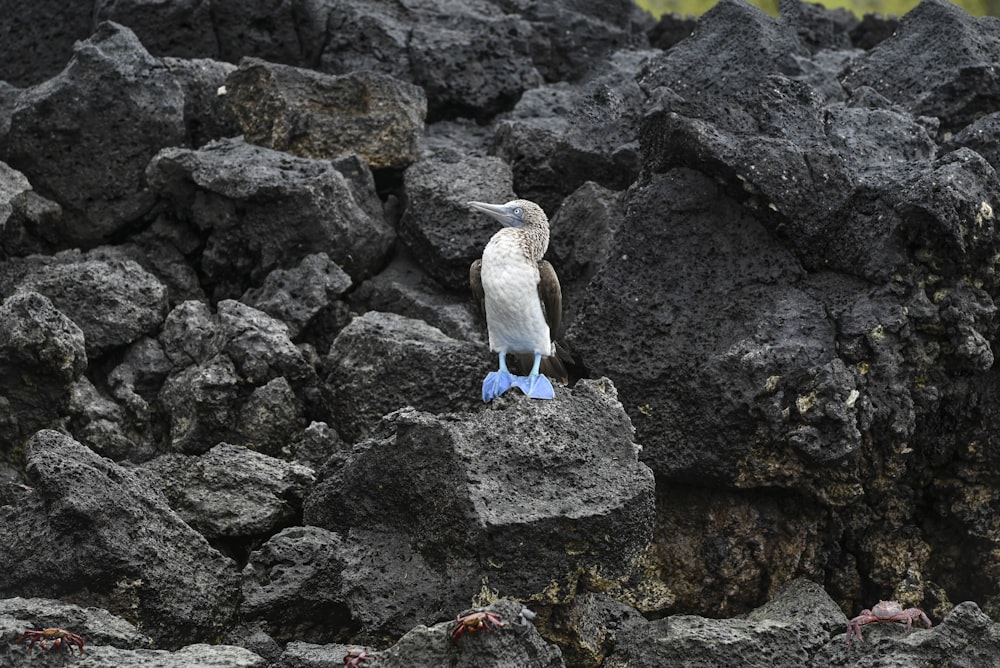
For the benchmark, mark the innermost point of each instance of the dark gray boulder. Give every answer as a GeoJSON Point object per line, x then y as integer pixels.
{"type": "Point", "coordinates": [582, 235]}
{"type": "Point", "coordinates": [207, 113]}
{"type": "Point", "coordinates": [300, 294]}
{"type": "Point", "coordinates": [382, 362]}
{"type": "Point", "coordinates": [438, 228]}
{"type": "Point", "coordinates": [237, 378]}
{"type": "Point", "coordinates": [292, 586]}
{"type": "Point", "coordinates": [772, 328]}
{"type": "Point", "coordinates": [569, 38]}
{"type": "Point", "coordinates": [561, 135]}
{"type": "Point", "coordinates": [103, 537]}
{"type": "Point", "coordinates": [113, 301]}
{"type": "Point", "coordinates": [131, 106]}
{"type": "Point", "coordinates": [95, 625]}
{"type": "Point", "coordinates": [28, 221]}
{"type": "Point", "coordinates": [230, 492]}
{"type": "Point", "coordinates": [966, 637]}
{"type": "Point", "coordinates": [786, 632]}
{"type": "Point", "coordinates": [100, 423]}
{"type": "Point", "coordinates": [184, 29]}
{"type": "Point", "coordinates": [37, 40]}
{"type": "Point", "coordinates": [405, 289]}
{"type": "Point", "coordinates": [515, 644]}
{"type": "Point", "coordinates": [526, 497]}
{"type": "Point", "coordinates": [201, 654]}
{"type": "Point", "coordinates": [262, 210]}
{"type": "Point", "coordinates": [432, 44]}
{"type": "Point", "coordinates": [42, 353]}
{"type": "Point", "coordinates": [316, 115]}
{"type": "Point", "coordinates": [312, 655]}
{"type": "Point", "coordinates": [813, 173]}
{"type": "Point", "coordinates": [979, 136]}
{"type": "Point", "coordinates": [919, 67]}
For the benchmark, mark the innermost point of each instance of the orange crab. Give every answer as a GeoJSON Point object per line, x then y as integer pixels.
{"type": "Point", "coordinates": [52, 639]}
{"type": "Point", "coordinates": [475, 622]}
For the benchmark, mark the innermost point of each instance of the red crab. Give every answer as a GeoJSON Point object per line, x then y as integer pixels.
{"type": "Point", "coordinates": [475, 622]}
{"type": "Point", "coordinates": [354, 657]}
{"type": "Point", "coordinates": [52, 639]}
{"type": "Point", "coordinates": [885, 611]}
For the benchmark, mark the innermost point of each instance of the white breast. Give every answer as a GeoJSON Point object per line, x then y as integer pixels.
{"type": "Point", "coordinates": [514, 313]}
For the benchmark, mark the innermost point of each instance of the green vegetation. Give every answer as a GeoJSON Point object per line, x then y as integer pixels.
{"type": "Point", "coordinates": [859, 7]}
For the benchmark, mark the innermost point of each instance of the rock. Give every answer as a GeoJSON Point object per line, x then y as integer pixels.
{"type": "Point", "coordinates": [404, 289]}
{"type": "Point", "coordinates": [292, 586]}
{"type": "Point", "coordinates": [525, 498]}
{"type": "Point", "coordinates": [42, 353]}
{"type": "Point", "coordinates": [263, 210]}
{"type": "Point", "coordinates": [207, 114]}
{"type": "Point", "coordinates": [317, 443]}
{"type": "Point", "coordinates": [293, 32]}
{"type": "Point", "coordinates": [431, 44]}
{"type": "Point", "coordinates": [561, 135]}
{"type": "Point", "coordinates": [237, 378]}
{"type": "Point", "coordinates": [582, 235]}
{"type": "Point", "coordinates": [703, 538]}
{"type": "Point", "coordinates": [183, 29]}
{"type": "Point", "coordinates": [762, 131]}
{"type": "Point", "coordinates": [136, 380]}
{"type": "Point", "coordinates": [516, 643]}
{"type": "Point", "coordinates": [192, 655]}
{"type": "Point", "coordinates": [298, 295]}
{"type": "Point", "coordinates": [818, 27]}
{"type": "Point", "coordinates": [919, 67]}
{"type": "Point", "coordinates": [95, 625]}
{"type": "Point", "coordinates": [978, 136]}
{"type": "Point", "coordinates": [131, 106]}
{"type": "Point", "coordinates": [589, 628]}
{"type": "Point", "coordinates": [598, 29]}
{"type": "Point", "coordinates": [230, 492]}
{"type": "Point", "coordinates": [102, 537]}
{"type": "Point", "coordinates": [311, 655]}
{"type": "Point", "coordinates": [785, 632]}
{"type": "Point", "coordinates": [966, 637]}
{"type": "Point", "coordinates": [28, 221]}
{"type": "Point", "coordinates": [100, 423]}
{"type": "Point", "coordinates": [438, 228]}
{"type": "Point", "coordinates": [673, 348]}
{"type": "Point", "coordinates": [37, 40]}
{"type": "Point", "coordinates": [382, 362]}
{"type": "Point", "coordinates": [315, 115]}
{"type": "Point", "coordinates": [114, 302]}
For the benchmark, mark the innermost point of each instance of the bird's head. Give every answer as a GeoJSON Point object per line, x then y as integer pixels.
{"type": "Point", "coordinates": [516, 213]}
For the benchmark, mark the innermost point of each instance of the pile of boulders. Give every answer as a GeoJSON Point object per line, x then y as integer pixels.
{"type": "Point", "coordinates": [240, 414]}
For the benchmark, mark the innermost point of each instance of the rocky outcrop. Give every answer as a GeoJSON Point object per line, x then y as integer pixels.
{"type": "Point", "coordinates": [240, 366]}
{"type": "Point", "coordinates": [95, 533]}
{"type": "Point", "coordinates": [530, 499]}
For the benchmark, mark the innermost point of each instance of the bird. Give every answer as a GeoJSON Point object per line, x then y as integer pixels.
{"type": "Point", "coordinates": [521, 296]}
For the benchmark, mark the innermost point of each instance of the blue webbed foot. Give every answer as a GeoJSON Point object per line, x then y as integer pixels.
{"type": "Point", "coordinates": [535, 386]}
{"type": "Point", "coordinates": [495, 384]}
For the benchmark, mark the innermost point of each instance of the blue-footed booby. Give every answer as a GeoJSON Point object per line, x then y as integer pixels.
{"type": "Point", "coordinates": [520, 294]}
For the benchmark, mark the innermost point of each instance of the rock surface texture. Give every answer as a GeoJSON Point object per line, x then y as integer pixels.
{"type": "Point", "coordinates": [240, 368]}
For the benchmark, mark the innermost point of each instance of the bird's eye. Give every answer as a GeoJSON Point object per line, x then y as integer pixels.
{"type": "Point", "coordinates": [518, 211]}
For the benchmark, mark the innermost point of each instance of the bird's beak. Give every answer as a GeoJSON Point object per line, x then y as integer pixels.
{"type": "Point", "coordinates": [500, 212]}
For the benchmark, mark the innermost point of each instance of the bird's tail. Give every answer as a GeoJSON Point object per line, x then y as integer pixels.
{"type": "Point", "coordinates": [552, 366]}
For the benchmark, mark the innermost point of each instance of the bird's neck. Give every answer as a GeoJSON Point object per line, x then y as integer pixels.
{"type": "Point", "coordinates": [534, 241]}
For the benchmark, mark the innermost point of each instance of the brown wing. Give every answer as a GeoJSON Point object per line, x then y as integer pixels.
{"type": "Point", "coordinates": [550, 292]}
{"type": "Point", "coordinates": [476, 282]}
